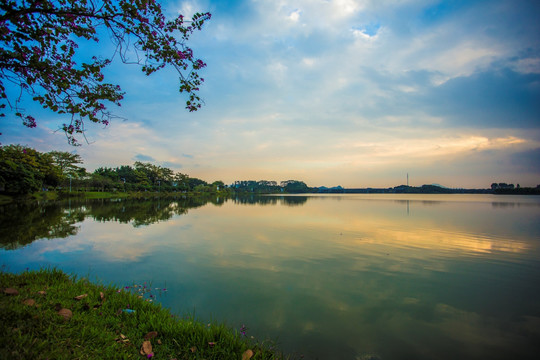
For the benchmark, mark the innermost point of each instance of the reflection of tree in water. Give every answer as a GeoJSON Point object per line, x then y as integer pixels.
{"type": "Point", "coordinates": [423, 202]}
{"type": "Point", "coordinates": [142, 212]}
{"type": "Point", "coordinates": [254, 199]}
{"type": "Point", "coordinates": [294, 200]}
{"type": "Point", "coordinates": [23, 223]}
{"type": "Point", "coordinates": [271, 200]}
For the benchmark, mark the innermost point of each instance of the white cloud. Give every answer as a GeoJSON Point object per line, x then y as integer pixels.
{"type": "Point", "coordinates": [294, 16]}
{"type": "Point", "coordinates": [187, 8]}
{"type": "Point", "coordinates": [309, 62]}
{"type": "Point", "coordinates": [362, 34]}
{"type": "Point", "coordinates": [344, 8]}
{"type": "Point", "coordinates": [278, 71]}
{"type": "Point", "coordinates": [528, 65]}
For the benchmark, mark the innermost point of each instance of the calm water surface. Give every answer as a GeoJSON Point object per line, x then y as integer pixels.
{"type": "Point", "coordinates": [328, 277]}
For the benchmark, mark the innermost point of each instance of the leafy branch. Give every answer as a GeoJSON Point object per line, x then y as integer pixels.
{"type": "Point", "coordinates": [39, 47]}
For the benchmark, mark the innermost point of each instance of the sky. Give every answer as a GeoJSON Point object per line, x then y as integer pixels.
{"type": "Point", "coordinates": [357, 93]}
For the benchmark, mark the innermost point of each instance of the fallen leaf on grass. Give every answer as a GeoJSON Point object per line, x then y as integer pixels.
{"type": "Point", "coordinates": [193, 349]}
{"type": "Point", "coordinates": [150, 335]}
{"type": "Point", "coordinates": [159, 341]}
{"type": "Point", "coordinates": [122, 339]}
{"type": "Point", "coordinates": [29, 302]}
{"type": "Point", "coordinates": [11, 291]}
{"type": "Point", "coordinates": [211, 344]}
{"type": "Point", "coordinates": [80, 297]}
{"type": "Point", "coordinates": [42, 292]}
{"type": "Point", "coordinates": [65, 313]}
{"type": "Point", "coordinates": [146, 348]}
{"type": "Point", "coordinates": [248, 354]}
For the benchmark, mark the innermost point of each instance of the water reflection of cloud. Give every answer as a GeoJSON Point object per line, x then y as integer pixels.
{"type": "Point", "coordinates": [267, 237]}
{"type": "Point", "coordinates": [479, 332]}
{"type": "Point", "coordinates": [110, 241]}
{"type": "Point", "coordinates": [452, 243]}
{"type": "Point", "coordinates": [374, 251]}
{"type": "Point", "coordinates": [361, 274]}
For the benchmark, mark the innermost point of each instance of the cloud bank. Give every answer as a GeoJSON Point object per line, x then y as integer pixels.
{"type": "Point", "coordinates": [356, 93]}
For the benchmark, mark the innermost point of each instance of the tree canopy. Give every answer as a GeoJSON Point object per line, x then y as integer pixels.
{"type": "Point", "coordinates": [39, 55]}
{"type": "Point", "coordinates": [24, 170]}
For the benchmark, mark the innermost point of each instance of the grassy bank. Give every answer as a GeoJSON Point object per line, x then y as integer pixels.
{"type": "Point", "coordinates": [54, 195]}
{"type": "Point", "coordinates": [47, 314]}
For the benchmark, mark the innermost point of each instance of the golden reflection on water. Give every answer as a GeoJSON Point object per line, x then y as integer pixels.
{"type": "Point", "coordinates": [322, 228]}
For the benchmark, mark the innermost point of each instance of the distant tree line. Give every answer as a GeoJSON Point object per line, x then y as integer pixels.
{"type": "Point", "coordinates": [272, 187]}
{"type": "Point", "coordinates": [24, 170]}
{"type": "Point", "coordinates": [504, 188]}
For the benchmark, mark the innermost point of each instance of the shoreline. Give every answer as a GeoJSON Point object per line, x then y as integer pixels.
{"type": "Point", "coordinates": [50, 314]}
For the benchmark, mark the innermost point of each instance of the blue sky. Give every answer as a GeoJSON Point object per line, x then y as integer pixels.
{"type": "Point", "coordinates": [335, 92]}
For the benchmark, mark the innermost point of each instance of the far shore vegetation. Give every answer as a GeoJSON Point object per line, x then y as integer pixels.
{"type": "Point", "coordinates": [47, 314]}
{"type": "Point", "coordinates": [28, 174]}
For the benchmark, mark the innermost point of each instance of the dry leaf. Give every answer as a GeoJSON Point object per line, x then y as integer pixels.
{"type": "Point", "coordinates": [159, 341]}
{"type": "Point", "coordinates": [80, 297]}
{"type": "Point", "coordinates": [11, 291]}
{"type": "Point", "coordinates": [42, 292]}
{"type": "Point", "coordinates": [193, 349]}
{"type": "Point", "coordinates": [102, 296]}
{"type": "Point", "coordinates": [211, 344]}
{"type": "Point", "coordinates": [65, 313]}
{"type": "Point", "coordinates": [247, 354]}
{"type": "Point", "coordinates": [146, 348]}
{"type": "Point", "coordinates": [150, 335]}
{"type": "Point", "coordinates": [122, 339]}
{"type": "Point", "coordinates": [29, 302]}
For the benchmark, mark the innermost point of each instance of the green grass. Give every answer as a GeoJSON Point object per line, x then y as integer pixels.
{"type": "Point", "coordinates": [100, 329]}
{"type": "Point", "coordinates": [56, 195]}
{"type": "Point", "coordinates": [103, 195]}
{"type": "Point", "coordinates": [45, 195]}
{"type": "Point", "coordinates": [4, 199]}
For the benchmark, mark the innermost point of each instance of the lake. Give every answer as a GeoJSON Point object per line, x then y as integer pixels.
{"type": "Point", "coordinates": [356, 277]}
